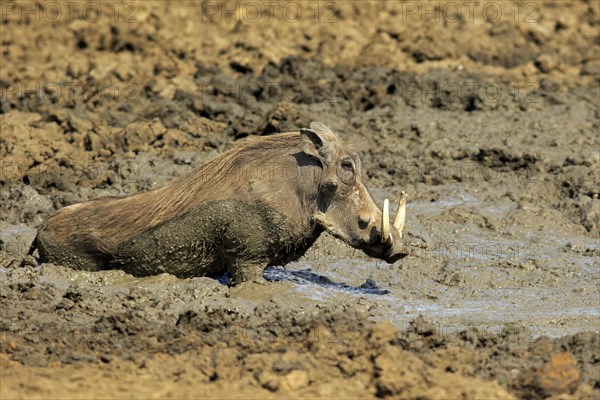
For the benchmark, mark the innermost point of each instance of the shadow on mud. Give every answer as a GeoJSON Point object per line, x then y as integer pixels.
{"type": "Point", "coordinates": [306, 276]}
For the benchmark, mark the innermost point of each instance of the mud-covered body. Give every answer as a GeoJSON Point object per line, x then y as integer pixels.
{"type": "Point", "coordinates": [226, 235]}
{"type": "Point", "coordinates": [263, 203]}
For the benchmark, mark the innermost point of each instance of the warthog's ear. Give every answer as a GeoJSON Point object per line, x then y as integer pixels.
{"type": "Point", "coordinates": [317, 145]}
{"type": "Point", "coordinates": [323, 129]}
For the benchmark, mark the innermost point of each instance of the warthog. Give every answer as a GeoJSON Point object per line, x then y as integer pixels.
{"type": "Point", "coordinates": [262, 203]}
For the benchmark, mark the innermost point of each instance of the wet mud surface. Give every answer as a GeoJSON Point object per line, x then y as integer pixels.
{"type": "Point", "coordinates": [494, 140]}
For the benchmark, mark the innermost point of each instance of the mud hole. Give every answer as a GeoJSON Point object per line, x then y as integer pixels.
{"type": "Point", "coordinates": [490, 125]}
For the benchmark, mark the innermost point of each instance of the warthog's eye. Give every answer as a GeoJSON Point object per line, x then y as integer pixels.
{"type": "Point", "coordinates": [346, 171]}
{"type": "Point", "coordinates": [348, 165]}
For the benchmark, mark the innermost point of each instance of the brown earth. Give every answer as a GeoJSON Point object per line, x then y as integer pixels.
{"type": "Point", "coordinates": [488, 120]}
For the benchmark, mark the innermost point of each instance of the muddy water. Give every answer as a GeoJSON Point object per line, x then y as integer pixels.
{"type": "Point", "coordinates": [460, 276]}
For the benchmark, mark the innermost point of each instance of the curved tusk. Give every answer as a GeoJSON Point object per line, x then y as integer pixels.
{"type": "Point", "coordinates": [399, 220]}
{"type": "Point", "coordinates": [385, 222]}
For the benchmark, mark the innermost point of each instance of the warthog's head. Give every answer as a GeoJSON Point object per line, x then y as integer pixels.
{"type": "Point", "coordinates": [345, 207]}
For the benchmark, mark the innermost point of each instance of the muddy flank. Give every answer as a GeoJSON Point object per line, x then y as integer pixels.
{"type": "Point", "coordinates": [488, 120]}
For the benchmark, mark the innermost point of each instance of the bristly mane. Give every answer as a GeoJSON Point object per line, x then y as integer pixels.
{"type": "Point", "coordinates": [111, 221]}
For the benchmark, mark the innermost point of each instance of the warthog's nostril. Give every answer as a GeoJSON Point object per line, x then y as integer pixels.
{"type": "Point", "coordinates": [364, 219]}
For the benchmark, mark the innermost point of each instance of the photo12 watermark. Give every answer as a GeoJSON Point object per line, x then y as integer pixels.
{"type": "Point", "coordinates": [70, 92]}
{"type": "Point", "coordinates": [423, 331]}
{"type": "Point", "coordinates": [252, 12]}
{"type": "Point", "coordinates": [439, 94]}
{"type": "Point", "coordinates": [455, 12]}
{"type": "Point", "coordinates": [489, 92]}
{"type": "Point", "coordinates": [413, 332]}
{"type": "Point", "coordinates": [465, 171]}
{"type": "Point", "coordinates": [469, 252]}
{"type": "Point", "coordinates": [54, 12]}
{"type": "Point", "coordinates": [272, 91]}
